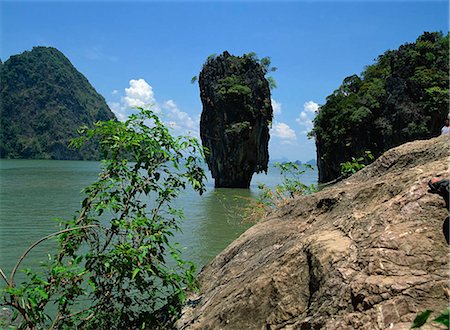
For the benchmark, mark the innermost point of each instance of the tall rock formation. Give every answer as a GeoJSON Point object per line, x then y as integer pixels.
{"type": "Point", "coordinates": [43, 102]}
{"type": "Point", "coordinates": [402, 97]}
{"type": "Point", "coordinates": [235, 119]}
{"type": "Point", "coordinates": [366, 253]}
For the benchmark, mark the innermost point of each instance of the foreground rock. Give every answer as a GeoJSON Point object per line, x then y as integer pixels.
{"type": "Point", "coordinates": [235, 120]}
{"type": "Point", "coordinates": [367, 253]}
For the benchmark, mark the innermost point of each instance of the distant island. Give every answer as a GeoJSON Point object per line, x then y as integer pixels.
{"type": "Point", "coordinates": [44, 101]}
{"type": "Point", "coordinates": [298, 162]}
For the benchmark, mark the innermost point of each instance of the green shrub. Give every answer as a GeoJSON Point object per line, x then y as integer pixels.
{"type": "Point", "coordinates": [355, 164]}
{"type": "Point", "coordinates": [115, 267]}
{"type": "Point", "coordinates": [290, 187]}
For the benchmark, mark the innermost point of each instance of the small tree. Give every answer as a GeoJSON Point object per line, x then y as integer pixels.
{"type": "Point", "coordinates": [289, 187]}
{"type": "Point", "coordinates": [115, 255]}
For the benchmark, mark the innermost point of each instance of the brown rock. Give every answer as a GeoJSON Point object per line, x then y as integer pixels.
{"type": "Point", "coordinates": [366, 253]}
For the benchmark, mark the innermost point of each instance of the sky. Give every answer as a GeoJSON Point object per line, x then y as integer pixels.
{"type": "Point", "coordinates": [139, 53]}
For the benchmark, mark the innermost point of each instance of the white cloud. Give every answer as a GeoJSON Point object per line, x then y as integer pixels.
{"type": "Point", "coordinates": [311, 107]}
{"type": "Point", "coordinates": [118, 110]}
{"type": "Point", "coordinates": [179, 120]}
{"type": "Point", "coordinates": [303, 116]}
{"type": "Point", "coordinates": [140, 94]}
{"type": "Point", "coordinates": [276, 106]}
{"type": "Point", "coordinates": [284, 132]}
{"type": "Point", "coordinates": [306, 117]}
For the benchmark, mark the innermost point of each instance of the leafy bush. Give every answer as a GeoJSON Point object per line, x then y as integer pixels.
{"type": "Point", "coordinates": [290, 187]}
{"type": "Point", "coordinates": [238, 128]}
{"type": "Point", "coordinates": [355, 164]}
{"type": "Point", "coordinates": [232, 85]}
{"type": "Point", "coordinates": [115, 267]}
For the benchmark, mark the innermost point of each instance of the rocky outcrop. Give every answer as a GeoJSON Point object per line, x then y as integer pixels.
{"type": "Point", "coordinates": [366, 253]}
{"type": "Point", "coordinates": [236, 114]}
{"type": "Point", "coordinates": [402, 97]}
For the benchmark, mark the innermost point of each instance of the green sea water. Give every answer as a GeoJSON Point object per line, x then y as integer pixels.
{"type": "Point", "coordinates": [35, 192]}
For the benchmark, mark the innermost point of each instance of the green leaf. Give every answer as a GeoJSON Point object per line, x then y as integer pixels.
{"type": "Point", "coordinates": [42, 293]}
{"type": "Point", "coordinates": [91, 284]}
{"type": "Point", "coordinates": [421, 319]}
{"type": "Point", "coordinates": [443, 318]}
{"type": "Point", "coordinates": [33, 301]}
{"type": "Point", "coordinates": [135, 272]}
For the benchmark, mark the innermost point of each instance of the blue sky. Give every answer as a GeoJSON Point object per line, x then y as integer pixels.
{"type": "Point", "coordinates": [141, 52]}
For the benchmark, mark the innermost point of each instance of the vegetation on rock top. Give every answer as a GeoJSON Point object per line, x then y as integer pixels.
{"type": "Point", "coordinates": [236, 115]}
{"type": "Point", "coordinates": [402, 97]}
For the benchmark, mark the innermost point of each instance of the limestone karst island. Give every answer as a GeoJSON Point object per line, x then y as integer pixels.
{"type": "Point", "coordinates": [235, 120]}
{"type": "Point", "coordinates": [300, 182]}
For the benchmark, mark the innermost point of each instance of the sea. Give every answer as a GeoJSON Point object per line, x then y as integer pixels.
{"type": "Point", "coordinates": [34, 193]}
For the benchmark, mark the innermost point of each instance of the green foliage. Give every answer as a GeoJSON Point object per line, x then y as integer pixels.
{"type": "Point", "coordinates": [237, 84]}
{"type": "Point", "coordinates": [233, 87]}
{"type": "Point", "coordinates": [291, 183]}
{"type": "Point", "coordinates": [402, 97]}
{"type": "Point", "coordinates": [44, 101]}
{"type": "Point", "coordinates": [422, 318]}
{"type": "Point", "coordinates": [252, 56]}
{"type": "Point", "coordinates": [355, 164]}
{"type": "Point", "coordinates": [211, 57]}
{"type": "Point", "coordinates": [115, 266]}
{"type": "Point", "coordinates": [272, 82]}
{"type": "Point", "coordinates": [290, 187]}
{"type": "Point", "coordinates": [443, 318]}
{"type": "Point", "coordinates": [237, 128]}
{"type": "Point", "coordinates": [266, 67]}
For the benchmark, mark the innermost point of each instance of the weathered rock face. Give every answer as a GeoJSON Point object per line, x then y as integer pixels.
{"type": "Point", "coordinates": [234, 123]}
{"type": "Point", "coordinates": [367, 253]}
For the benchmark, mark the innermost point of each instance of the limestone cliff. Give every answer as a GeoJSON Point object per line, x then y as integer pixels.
{"type": "Point", "coordinates": [236, 114]}
{"type": "Point", "coordinates": [366, 253]}
{"type": "Point", "coordinates": [402, 97]}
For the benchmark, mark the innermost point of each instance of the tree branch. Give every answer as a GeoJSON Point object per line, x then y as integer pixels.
{"type": "Point", "coordinates": [38, 242]}
{"type": "Point", "coordinates": [4, 276]}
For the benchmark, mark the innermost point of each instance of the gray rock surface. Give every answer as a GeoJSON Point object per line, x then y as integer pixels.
{"type": "Point", "coordinates": [366, 253]}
